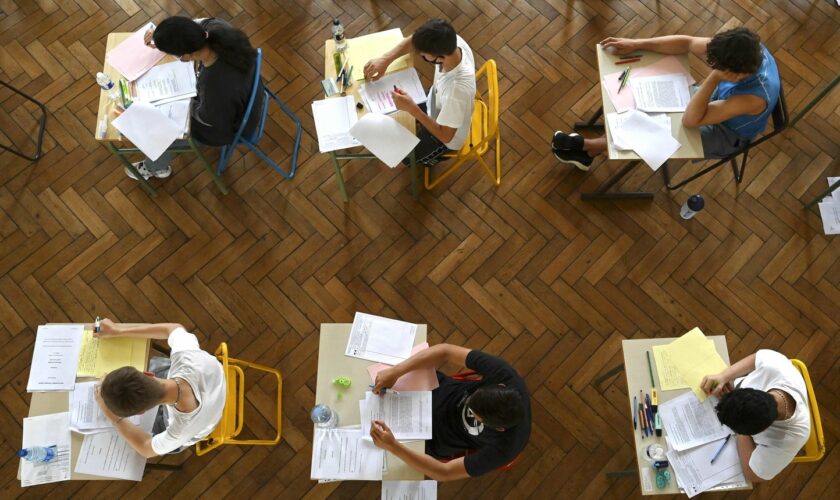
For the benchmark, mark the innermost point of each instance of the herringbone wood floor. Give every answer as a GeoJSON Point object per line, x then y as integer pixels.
{"type": "Point", "coordinates": [527, 271]}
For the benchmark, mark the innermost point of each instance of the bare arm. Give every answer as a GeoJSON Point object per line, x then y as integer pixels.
{"type": "Point", "coordinates": [375, 68]}
{"type": "Point", "coordinates": [139, 439]}
{"type": "Point", "coordinates": [439, 471]}
{"type": "Point", "coordinates": [432, 357]}
{"type": "Point", "coordinates": [671, 44]}
{"type": "Point", "coordinates": [159, 331]}
{"type": "Point", "coordinates": [717, 384]}
{"type": "Point", "coordinates": [746, 446]}
{"type": "Point", "coordinates": [702, 112]}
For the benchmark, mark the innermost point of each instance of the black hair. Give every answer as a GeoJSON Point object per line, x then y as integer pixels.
{"type": "Point", "coordinates": [180, 35]}
{"type": "Point", "coordinates": [737, 50]}
{"type": "Point", "coordinates": [497, 406]}
{"type": "Point", "coordinates": [435, 37]}
{"type": "Point", "coordinates": [747, 411]}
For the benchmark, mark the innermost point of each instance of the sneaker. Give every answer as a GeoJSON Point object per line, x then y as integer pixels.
{"type": "Point", "coordinates": [580, 159]}
{"type": "Point", "coordinates": [568, 142]}
{"type": "Point", "coordinates": [146, 173]}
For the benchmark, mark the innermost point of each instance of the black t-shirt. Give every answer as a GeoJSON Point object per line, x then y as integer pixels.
{"type": "Point", "coordinates": [223, 94]}
{"type": "Point", "coordinates": [454, 430]}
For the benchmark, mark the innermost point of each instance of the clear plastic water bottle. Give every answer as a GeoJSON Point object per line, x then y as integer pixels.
{"type": "Point", "coordinates": [108, 86]}
{"type": "Point", "coordinates": [324, 416]}
{"type": "Point", "coordinates": [692, 205]}
{"type": "Point", "coordinates": [38, 453]}
{"type": "Point", "coordinates": [338, 35]}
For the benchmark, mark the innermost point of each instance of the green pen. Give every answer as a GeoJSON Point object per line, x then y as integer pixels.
{"type": "Point", "coordinates": [624, 81]}
{"type": "Point", "coordinates": [650, 370]}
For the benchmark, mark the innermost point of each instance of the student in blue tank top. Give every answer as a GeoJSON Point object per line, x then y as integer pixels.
{"type": "Point", "coordinates": [731, 106]}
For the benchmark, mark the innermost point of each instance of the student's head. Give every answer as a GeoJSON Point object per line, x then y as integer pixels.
{"type": "Point", "coordinates": [747, 411]}
{"type": "Point", "coordinates": [737, 53]}
{"type": "Point", "coordinates": [128, 391]}
{"type": "Point", "coordinates": [434, 40]}
{"type": "Point", "coordinates": [497, 406]}
{"type": "Point", "coordinates": [184, 38]}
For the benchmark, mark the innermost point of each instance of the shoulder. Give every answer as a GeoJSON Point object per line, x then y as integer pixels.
{"type": "Point", "coordinates": [746, 104]}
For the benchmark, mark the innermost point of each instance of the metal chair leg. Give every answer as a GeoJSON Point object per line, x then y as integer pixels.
{"type": "Point", "coordinates": [42, 126]}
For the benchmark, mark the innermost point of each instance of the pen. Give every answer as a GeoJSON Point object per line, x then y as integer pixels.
{"type": "Point", "coordinates": [650, 369]}
{"type": "Point", "coordinates": [385, 389]}
{"type": "Point", "coordinates": [649, 410]}
{"type": "Point", "coordinates": [722, 445]}
{"type": "Point", "coordinates": [624, 81]}
{"type": "Point", "coordinates": [621, 76]}
{"type": "Point", "coordinates": [631, 56]}
{"type": "Point", "coordinates": [96, 325]}
{"type": "Point", "coordinates": [643, 407]}
{"type": "Point", "coordinates": [625, 61]}
{"type": "Point", "coordinates": [633, 410]}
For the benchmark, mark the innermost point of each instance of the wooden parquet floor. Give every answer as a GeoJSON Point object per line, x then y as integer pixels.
{"type": "Point", "coordinates": [527, 271]}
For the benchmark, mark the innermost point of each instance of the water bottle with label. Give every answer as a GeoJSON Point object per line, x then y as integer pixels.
{"type": "Point", "coordinates": [324, 417]}
{"type": "Point", "coordinates": [692, 205]}
{"type": "Point", "coordinates": [108, 86]}
{"type": "Point", "coordinates": [338, 35]}
{"type": "Point", "coordinates": [42, 454]}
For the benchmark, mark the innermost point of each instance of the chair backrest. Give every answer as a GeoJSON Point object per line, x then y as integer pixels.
{"type": "Point", "coordinates": [246, 117]}
{"type": "Point", "coordinates": [814, 448]}
{"type": "Point", "coordinates": [780, 112]}
{"type": "Point", "coordinates": [230, 425]}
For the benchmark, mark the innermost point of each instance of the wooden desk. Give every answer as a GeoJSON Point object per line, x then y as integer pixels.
{"type": "Point", "coordinates": [112, 136]}
{"type": "Point", "coordinates": [332, 363]}
{"type": "Point", "coordinates": [638, 377]}
{"type": "Point", "coordinates": [403, 118]}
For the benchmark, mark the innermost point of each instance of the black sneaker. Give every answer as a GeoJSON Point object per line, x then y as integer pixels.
{"type": "Point", "coordinates": [567, 142]}
{"type": "Point", "coordinates": [580, 159]}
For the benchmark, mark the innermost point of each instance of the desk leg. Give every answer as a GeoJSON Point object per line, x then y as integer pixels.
{"type": "Point", "coordinates": [339, 177]}
{"type": "Point", "coordinates": [143, 182]}
{"type": "Point", "coordinates": [822, 195]}
{"type": "Point", "coordinates": [592, 123]}
{"type": "Point", "coordinates": [218, 180]}
{"type": "Point", "coordinates": [413, 164]}
{"type": "Point", "coordinates": [602, 194]}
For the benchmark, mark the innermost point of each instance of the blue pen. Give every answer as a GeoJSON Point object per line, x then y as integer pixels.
{"type": "Point", "coordinates": [649, 410]}
{"type": "Point", "coordinates": [633, 410]}
{"type": "Point", "coordinates": [722, 446]}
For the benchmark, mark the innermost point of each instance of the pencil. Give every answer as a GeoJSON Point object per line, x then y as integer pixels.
{"type": "Point", "coordinates": [631, 56]}
{"type": "Point", "coordinates": [625, 61]}
{"type": "Point", "coordinates": [650, 369]}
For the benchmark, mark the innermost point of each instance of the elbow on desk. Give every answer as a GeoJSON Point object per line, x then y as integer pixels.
{"type": "Point", "coordinates": [689, 122]}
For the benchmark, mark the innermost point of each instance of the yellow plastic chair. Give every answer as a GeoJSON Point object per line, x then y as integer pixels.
{"type": "Point", "coordinates": [483, 130]}
{"type": "Point", "coordinates": [814, 448]}
{"type": "Point", "coordinates": [233, 416]}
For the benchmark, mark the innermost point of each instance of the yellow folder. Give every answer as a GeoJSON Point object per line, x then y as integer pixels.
{"type": "Point", "coordinates": [364, 48]}
{"type": "Point", "coordinates": [100, 356]}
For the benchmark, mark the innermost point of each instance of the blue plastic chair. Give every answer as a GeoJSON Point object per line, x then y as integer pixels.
{"type": "Point", "coordinates": [253, 138]}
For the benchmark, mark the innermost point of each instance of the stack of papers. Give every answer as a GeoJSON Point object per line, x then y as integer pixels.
{"type": "Point", "coordinates": [830, 209]}
{"type": "Point", "coordinates": [423, 379]}
{"type": "Point", "coordinates": [377, 95]}
{"type": "Point", "coordinates": [661, 94]}
{"type": "Point", "coordinates": [148, 128]}
{"type": "Point", "coordinates": [379, 339]}
{"type": "Point", "coordinates": [649, 137]}
{"type": "Point", "coordinates": [344, 453]}
{"type": "Point", "coordinates": [165, 83]}
{"type": "Point", "coordinates": [384, 137]}
{"type": "Point", "coordinates": [108, 454]}
{"type": "Point", "coordinates": [407, 414]}
{"type": "Point", "coordinates": [133, 57]}
{"type": "Point", "coordinates": [55, 358]}
{"type": "Point", "coordinates": [99, 356]}
{"type": "Point", "coordinates": [692, 357]}
{"type": "Point", "coordinates": [46, 430]}
{"type": "Point", "coordinates": [333, 119]}
{"type": "Point", "coordinates": [409, 490]}
{"type": "Point", "coordinates": [86, 416]}
{"type": "Point", "coordinates": [624, 100]}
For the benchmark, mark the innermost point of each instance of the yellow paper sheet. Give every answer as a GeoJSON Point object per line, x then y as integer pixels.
{"type": "Point", "coordinates": [364, 48]}
{"type": "Point", "coordinates": [685, 361]}
{"type": "Point", "coordinates": [100, 356]}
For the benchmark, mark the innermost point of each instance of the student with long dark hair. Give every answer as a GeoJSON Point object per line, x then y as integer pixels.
{"type": "Point", "coordinates": [226, 64]}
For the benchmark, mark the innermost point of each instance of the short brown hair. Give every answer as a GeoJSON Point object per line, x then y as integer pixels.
{"type": "Point", "coordinates": [128, 391]}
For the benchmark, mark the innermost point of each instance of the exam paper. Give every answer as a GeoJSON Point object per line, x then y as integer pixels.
{"type": "Point", "coordinates": [362, 49]}
{"type": "Point", "coordinates": [46, 430]}
{"type": "Point", "coordinates": [689, 423]}
{"type": "Point", "coordinates": [695, 472]}
{"type": "Point", "coordinates": [148, 128]}
{"type": "Point", "coordinates": [99, 356]}
{"type": "Point", "coordinates": [670, 377]}
{"type": "Point", "coordinates": [615, 122]}
{"type": "Point", "coordinates": [408, 414]}
{"type": "Point", "coordinates": [384, 340]}
{"type": "Point", "coordinates": [661, 93]}
{"type": "Point", "coordinates": [86, 416]}
{"type": "Point", "coordinates": [648, 138]}
{"type": "Point", "coordinates": [343, 453]}
{"type": "Point", "coordinates": [409, 490]}
{"type": "Point", "coordinates": [668, 65]}
{"type": "Point", "coordinates": [174, 80]}
{"type": "Point", "coordinates": [384, 137]}
{"type": "Point", "coordinates": [108, 454]}
{"type": "Point", "coordinates": [333, 119]}
{"type": "Point", "coordinates": [830, 214]}
{"type": "Point", "coordinates": [177, 111]}
{"type": "Point", "coordinates": [694, 356]}
{"type": "Point", "coordinates": [423, 379]}
{"type": "Point", "coordinates": [377, 95]}
{"type": "Point", "coordinates": [55, 358]}
{"type": "Point", "coordinates": [133, 57]}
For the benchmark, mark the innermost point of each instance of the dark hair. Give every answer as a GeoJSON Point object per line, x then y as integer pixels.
{"type": "Point", "coordinates": [737, 50]}
{"type": "Point", "coordinates": [435, 37]}
{"type": "Point", "coordinates": [497, 406]}
{"type": "Point", "coordinates": [179, 35]}
{"type": "Point", "coordinates": [128, 391]}
{"type": "Point", "coordinates": [747, 411]}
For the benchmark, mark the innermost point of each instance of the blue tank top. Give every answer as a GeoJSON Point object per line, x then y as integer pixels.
{"type": "Point", "coordinates": [764, 83]}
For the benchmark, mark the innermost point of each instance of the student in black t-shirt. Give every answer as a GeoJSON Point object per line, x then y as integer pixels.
{"type": "Point", "coordinates": [491, 417]}
{"type": "Point", "coordinates": [226, 65]}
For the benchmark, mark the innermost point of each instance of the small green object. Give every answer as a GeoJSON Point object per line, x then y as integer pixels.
{"type": "Point", "coordinates": [650, 370]}
{"type": "Point", "coordinates": [343, 382]}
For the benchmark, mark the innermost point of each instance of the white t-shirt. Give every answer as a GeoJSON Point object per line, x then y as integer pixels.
{"type": "Point", "coordinates": [776, 446]}
{"type": "Point", "coordinates": [205, 375]}
{"type": "Point", "coordinates": [451, 96]}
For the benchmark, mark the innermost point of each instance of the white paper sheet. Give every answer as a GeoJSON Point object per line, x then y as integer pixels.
{"type": "Point", "coordinates": [615, 122]}
{"type": "Point", "coordinates": [384, 340]}
{"type": "Point", "coordinates": [165, 81]}
{"type": "Point", "coordinates": [47, 430]}
{"type": "Point", "coordinates": [333, 119]}
{"type": "Point", "coordinates": [830, 214]}
{"type": "Point", "coordinates": [377, 95]}
{"type": "Point", "coordinates": [342, 453]}
{"type": "Point", "coordinates": [86, 416]}
{"type": "Point", "coordinates": [148, 128]}
{"type": "Point", "coordinates": [407, 414]}
{"type": "Point", "coordinates": [695, 473]}
{"type": "Point", "coordinates": [177, 111]}
{"type": "Point", "coordinates": [133, 57]}
{"type": "Point", "coordinates": [55, 358]}
{"type": "Point", "coordinates": [108, 454]}
{"type": "Point", "coordinates": [384, 137]}
{"type": "Point", "coordinates": [661, 94]}
{"type": "Point", "coordinates": [648, 138]}
{"type": "Point", "coordinates": [409, 490]}
{"type": "Point", "coordinates": [689, 423]}
{"type": "Point", "coordinates": [835, 195]}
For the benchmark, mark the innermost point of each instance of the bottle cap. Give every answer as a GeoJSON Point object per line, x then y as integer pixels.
{"type": "Point", "coordinates": [22, 453]}
{"type": "Point", "coordinates": [336, 21]}
{"type": "Point", "coordinates": [696, 202]}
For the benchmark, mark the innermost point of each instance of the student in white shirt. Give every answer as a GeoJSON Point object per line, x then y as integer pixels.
{"type": "Point", "coordinates": [767, 409]}
{"type": "Point", "coordinates": [193, 392]}
{"type": "Point", "coordinates": [445, 120]}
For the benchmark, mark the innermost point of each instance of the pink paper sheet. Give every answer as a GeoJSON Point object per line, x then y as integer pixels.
{"type": "Point", "coordinates": [417, 380]}
{"type": "Point", "coordinates": [132, 57]}
{"type": "Point", "coordinates": [623, 101]}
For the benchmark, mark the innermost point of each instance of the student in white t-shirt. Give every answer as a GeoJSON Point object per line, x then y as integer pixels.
{"type": "Point", "coordinates": [193, 392]}
{"type": "Point", "coordinates": [767, 408]}
{"type": "Point", "coordinates": [446, 117]}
